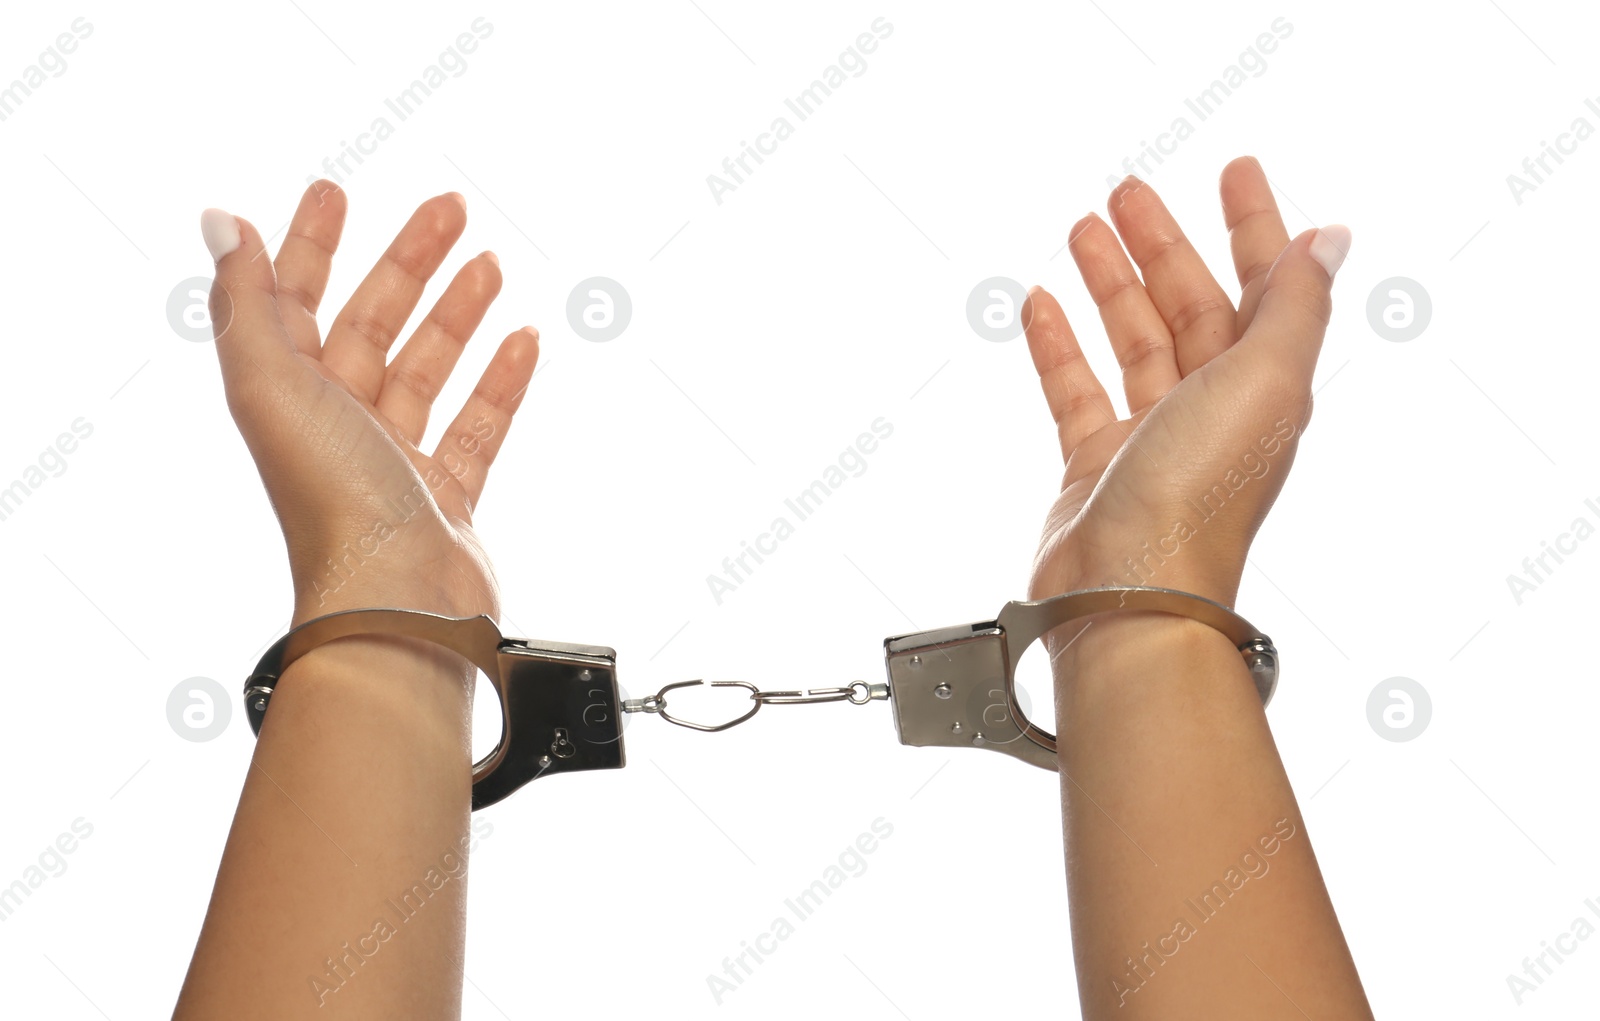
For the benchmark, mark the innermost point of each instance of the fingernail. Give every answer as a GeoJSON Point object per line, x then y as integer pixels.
{"type": "Point", "coordinates": [221, 232]}
{"type": "Point", "coordinates": [1330, 246]}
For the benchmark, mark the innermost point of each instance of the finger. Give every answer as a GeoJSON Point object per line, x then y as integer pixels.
{"type": "Point", "coordinates": [419, 371]}
{"type": "Point", "coordinates": [1296, 302]}
{"type": "Point", "coordinates": [1196, 309]}
{"type": "Point", "coordinates": [1255, 230]}
{"type": "Point", "coordinates": [249, 334]}
{"type": "Point", "coordinates": [470, 444]}
{"type": "Point", "coordinates": [1078, 403]}
{"type": "Point", "coordinates": [359, 339]}
{"type": "Point", "coordinates": [1138, 334]}
{"type": "Point", "coordinates": [305, 259]}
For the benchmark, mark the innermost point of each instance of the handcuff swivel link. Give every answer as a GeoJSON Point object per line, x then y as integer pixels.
{"type": "Point", "coordinates": [856, 693]}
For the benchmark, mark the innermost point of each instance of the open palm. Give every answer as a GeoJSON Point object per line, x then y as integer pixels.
{"type": "Point", "coordinates": [1172, 494]}
{"type": "Point", "coordinates": [335, 428]}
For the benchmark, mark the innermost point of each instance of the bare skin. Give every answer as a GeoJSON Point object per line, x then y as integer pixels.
{"type": "Point", "coordinates": [358, 796]}
{"type": "Point", "coordinates": [1194, 890]}
{"type": "Point", "coordinates": [1172, 788]}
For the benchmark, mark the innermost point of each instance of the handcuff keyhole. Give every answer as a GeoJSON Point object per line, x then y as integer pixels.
{"type": "Point", "coordinates": [562, 747]}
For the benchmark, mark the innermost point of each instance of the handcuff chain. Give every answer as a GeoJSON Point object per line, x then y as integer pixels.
{"type": "Point", "coordinates": [856, 693]}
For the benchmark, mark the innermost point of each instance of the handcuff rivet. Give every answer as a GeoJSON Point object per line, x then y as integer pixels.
{"type": "Point", "coordinates": [978, 738]}
{"type": "Point", "coordinates": [955, 728]}
{"type": "Point", "coordinates": [584, 675]}
{"type": "Point", "coordinates": [943, 690]}
{"type": "Point", "coordinates": [916, 660]}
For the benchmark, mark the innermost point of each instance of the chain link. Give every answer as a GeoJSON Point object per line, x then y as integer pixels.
{"type": "Point", "coordinates": [856, 693]}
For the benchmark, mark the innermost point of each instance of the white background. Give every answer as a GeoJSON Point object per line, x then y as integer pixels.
{"type": "Point", "coordinates": [768, 331]}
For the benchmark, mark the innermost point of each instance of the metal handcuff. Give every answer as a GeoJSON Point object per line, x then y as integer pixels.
{"type": "Point", "coordinates": [560, 710]}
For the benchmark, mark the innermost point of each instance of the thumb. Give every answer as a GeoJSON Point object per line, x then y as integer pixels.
{"type": "Point", "coordinates": [249, 332]}
{"type": "Point", "coordinates": [1297, 302]}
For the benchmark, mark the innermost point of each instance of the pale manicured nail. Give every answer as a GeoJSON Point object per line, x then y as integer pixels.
{"type": "Point", "coordinates": [221, 232]}
{"type": "Point", "coordinates": [1330, 246]}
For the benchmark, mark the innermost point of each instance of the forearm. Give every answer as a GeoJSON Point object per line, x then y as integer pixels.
{"type": "Point", "coordinates": [343, 882]}
{"type": "Point", "coordinates": [1193, 886]}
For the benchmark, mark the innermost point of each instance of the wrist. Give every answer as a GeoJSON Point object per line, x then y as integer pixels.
{"type": "Point", "coordinates": [426, 686]}
{"type": "Point", "coordinates": [429, 590]}
{"type": "Point", "coordinates": [313, 599]}
{"type": "Point", "coordinates": [1136, 652]}
{"type": "Point", "coordinates": [451, 578]}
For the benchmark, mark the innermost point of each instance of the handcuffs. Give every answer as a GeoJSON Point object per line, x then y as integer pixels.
{"type": "Point", "coordinates": [561, 711]}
